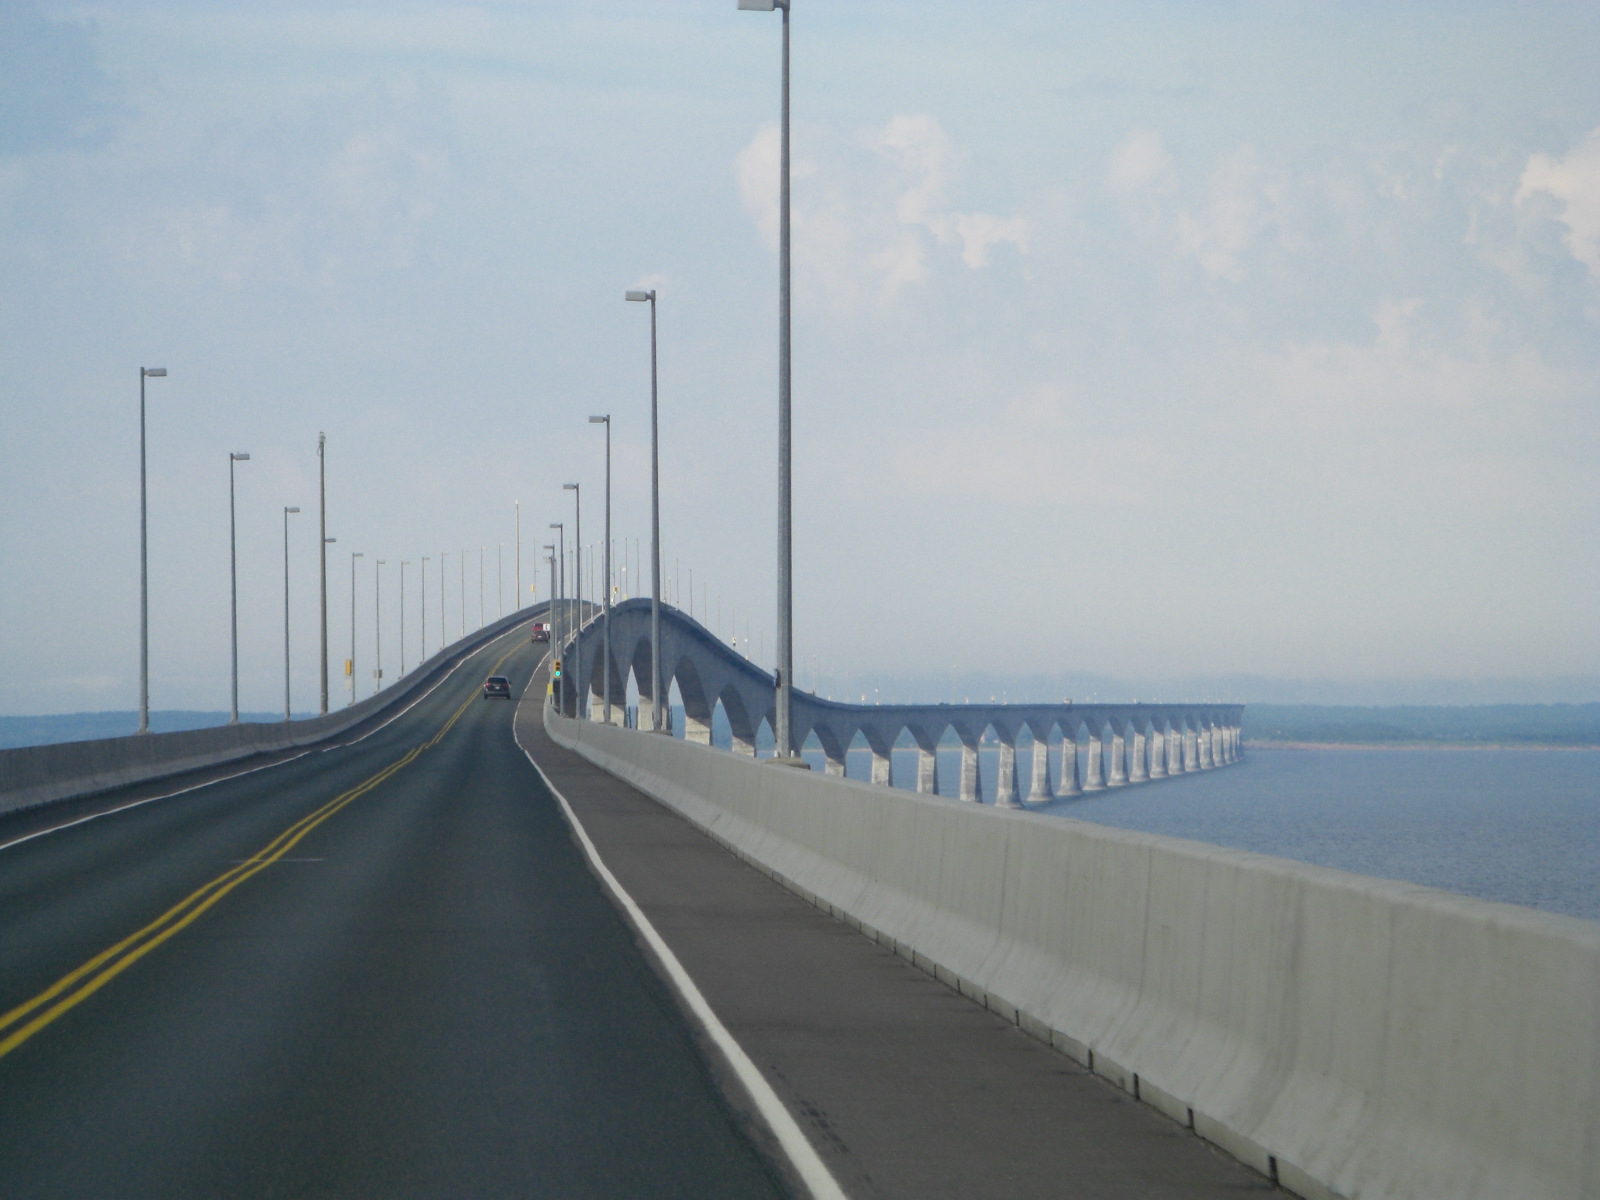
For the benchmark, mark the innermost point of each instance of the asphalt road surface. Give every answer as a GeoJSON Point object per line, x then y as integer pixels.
{"type": "Point", "coordinates": [378, 970]}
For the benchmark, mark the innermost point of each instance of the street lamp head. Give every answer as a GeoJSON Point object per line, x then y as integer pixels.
{"type": "Point", "coordinates": [240, 456]}
{"type": "Point", "coordinates": [153, 372]}
{"type": "Point", "coordinates": [290, 508]}
{"type": "Point", "coordinates": [569, 487]}
{"type": "Point", "coordinates": [558, 525]}
{"type": "Point", "coordinates": [330, 541]}
{"type": "Point", "coordinates": [357, 554]}
{"type": "Point", "coordinates": [757, 5]}
{"type": "Point", "coordinates": [605, 420]}
{"type": "Point", "coordinates": [650, 295]}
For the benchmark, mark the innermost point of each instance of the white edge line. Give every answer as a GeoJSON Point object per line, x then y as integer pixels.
{"type": "Point", "coordinates": [38, 833]}
{"type": "Point", "coordinates": [802, 1155]}
{"type": "Point", "coordinates": [435, 685]}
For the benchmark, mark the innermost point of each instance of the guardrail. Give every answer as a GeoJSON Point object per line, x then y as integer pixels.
{"type": "Point", "coordinates": [1347, 1036]}
{"type": "Point", "coordinates": [31, 775]}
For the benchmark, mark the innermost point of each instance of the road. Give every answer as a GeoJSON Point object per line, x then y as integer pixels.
{"type": "Point", "coordinates": [382, 969]}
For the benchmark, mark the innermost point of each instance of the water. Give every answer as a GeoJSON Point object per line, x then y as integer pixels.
{"type": "Point", "coordinates": [1520, 826]}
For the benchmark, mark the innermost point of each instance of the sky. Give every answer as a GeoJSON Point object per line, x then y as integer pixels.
{"type": "Point", "coordinates": [1247, 350]}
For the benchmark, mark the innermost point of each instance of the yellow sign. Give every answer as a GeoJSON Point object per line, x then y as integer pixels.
{"type": "Point", "coordinates": [349, 667]}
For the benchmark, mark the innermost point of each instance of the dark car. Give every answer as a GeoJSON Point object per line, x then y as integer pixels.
{"type": "Point", "coordinates": [497, 685]}
{"type": "Point", "coordinates": [541, 633]}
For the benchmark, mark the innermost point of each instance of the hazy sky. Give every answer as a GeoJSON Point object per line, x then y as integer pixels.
{"type": "Point", "coordinates": [1152, 341]}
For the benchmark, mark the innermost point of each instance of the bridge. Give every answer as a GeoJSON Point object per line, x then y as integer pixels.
{"type": "Point", "coordinates": [444, 945]}
{"type": "Point", "coordinates": [1112, 744]}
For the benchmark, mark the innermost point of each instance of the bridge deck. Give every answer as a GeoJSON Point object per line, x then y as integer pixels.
{"type": "Point", "coordinates": [905, 1087]}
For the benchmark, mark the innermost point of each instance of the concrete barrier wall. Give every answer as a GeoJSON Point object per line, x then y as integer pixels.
{"type": "Point", "coordinates": [1349, 1036]}
{"type": "Point", "coordinates": [32, 775]}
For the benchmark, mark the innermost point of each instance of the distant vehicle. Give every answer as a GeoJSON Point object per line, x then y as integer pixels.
{"type": "Point", "coordinates": [541, 633]}
{"type": "Point", "coordinates": [497, 685]}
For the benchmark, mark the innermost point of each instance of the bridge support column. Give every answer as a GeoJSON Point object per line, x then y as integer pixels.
{"type": "Point", "coordinates": [742, 745]}
{"type": "Point", "coordinates": [971, 785]}
{"type": "Point", "coordinates": [833, 766]}
{"type": "Point", "coordinates": [1204, 740]}
{"type": "Point", "coordinates": [696, 730]}
{"type": "Point", "coordinates": [645, 712]}
{"type": "Point", "coordinates": [1091, 776]}
{"type": "Point", "coordinates": [1039, 783]}
{"type": "Point", "coordinates": [927, 771]}
{"type": "Point", "coordinates": [1158, 754]}
{"type": "Point", "coordinates": [1119, 762]}
{"type": "Point", "coordinates": [1191, 749]}
{"type": "Point", "coordinates": [1140, 772]}
{"type": "Point", "coordinates": [880, 769]}
{"type": "Point", "coordinates": [1067, 783]}
{"type": "Point", "coordinates": [1005, 791]}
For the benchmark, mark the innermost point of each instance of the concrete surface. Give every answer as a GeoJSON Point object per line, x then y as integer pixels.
{"type": "Point", "coordinates": [907, 1089]}
{"type": "Point", "coordinates": [428, 996]}
{"type": "Point", "coordinates": [33, 775]}
{"type": "Point", "coordinates": [1350, 1036]}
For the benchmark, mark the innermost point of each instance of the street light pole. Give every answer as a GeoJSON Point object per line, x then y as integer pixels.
{"type": "Point", "coordinates": [144, 568]}
{"type": "Point", "coordinates": [606, 572]}
{"type": "Point", "coordinates": [463, 557]}
{"type": "Point", "coordinates": [517, 595]}
{"type": "Point", "coordinates": [442, 635]}
{"type": "Point", "coordinates": [655, 525]}
{"type": "Point", "coordinates": [577, 571]}
{"type": "Point", "coordinates": [288, 509]}
{"type": "Point", "coordinates": [481, 552]}
{"type": "Point", "coordinates": [500, 577]}
{"type": "Point", "coordinates": [403, 565]}
{"type": "Point", "coordinates": [561, 613]}
{"type": "Point", "coordinates": [352, 671]}
{"type": "Point", "coordinates": [322, 490]}
{"type": "Point", "coordinates": [784, 751]}
{"type": "Point", "coordinates": [377, 622]}
{"type": "Point", "coordinates": [422, 604]}
{"type": "Point", "coordinates": [550, 610]}
{"type": "Point", "coordinates": [233, 575]}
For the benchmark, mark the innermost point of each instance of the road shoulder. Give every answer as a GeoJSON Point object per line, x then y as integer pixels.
{"type": "Point", "coordinates": [906, 1088]}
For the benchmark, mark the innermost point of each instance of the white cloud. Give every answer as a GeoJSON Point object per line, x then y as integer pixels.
{"type": "Point", "coordinates": [1140, 161]}
{"type": "Point", "coordinates": [351, 182]}
{"type": "Point", "coordinates": [1574, 182]}
{"type": "Point", "coordinates": [1241, 209]}
{"type": "Point", "coordinates": [867, 222]}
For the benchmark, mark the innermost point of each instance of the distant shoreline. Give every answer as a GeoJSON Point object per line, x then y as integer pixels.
{"type": "Point", "coordinates": [1251, 744]}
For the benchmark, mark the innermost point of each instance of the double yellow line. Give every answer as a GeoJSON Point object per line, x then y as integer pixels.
{"type": "Point", "coordinates": [78, 985]}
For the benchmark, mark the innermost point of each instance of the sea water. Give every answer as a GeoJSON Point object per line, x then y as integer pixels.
{"type": "Point", "coordinates": [1518, 826]}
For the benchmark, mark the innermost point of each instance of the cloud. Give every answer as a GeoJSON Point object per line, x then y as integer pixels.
{"type": "Point", "coordinates": [352, 182]}
{"type": "Point", "coordinates": [53, 93]}
{"type": "Point", "coordinates": [1241, 208]}
{"type": "Point", "coordinates": [870, 212]}
{"type": "Point", "coordinates": [1140, 161]}
{"type": "Point", "coordinates": [1574, 183]}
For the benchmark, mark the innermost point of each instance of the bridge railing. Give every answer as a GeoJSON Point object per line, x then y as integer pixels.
{"type": "Point", "coordinates": [31, 775]}
{"type": "Point", "coordinates": [1346, 1036]}
{"type": "Point", "coordinates": [1094, 746]}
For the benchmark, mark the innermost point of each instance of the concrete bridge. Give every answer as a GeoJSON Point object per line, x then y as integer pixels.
{"type": "Point", "coordinates": [397, 951]}
{"type": "Point", "coordinates": [1111, 745]}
